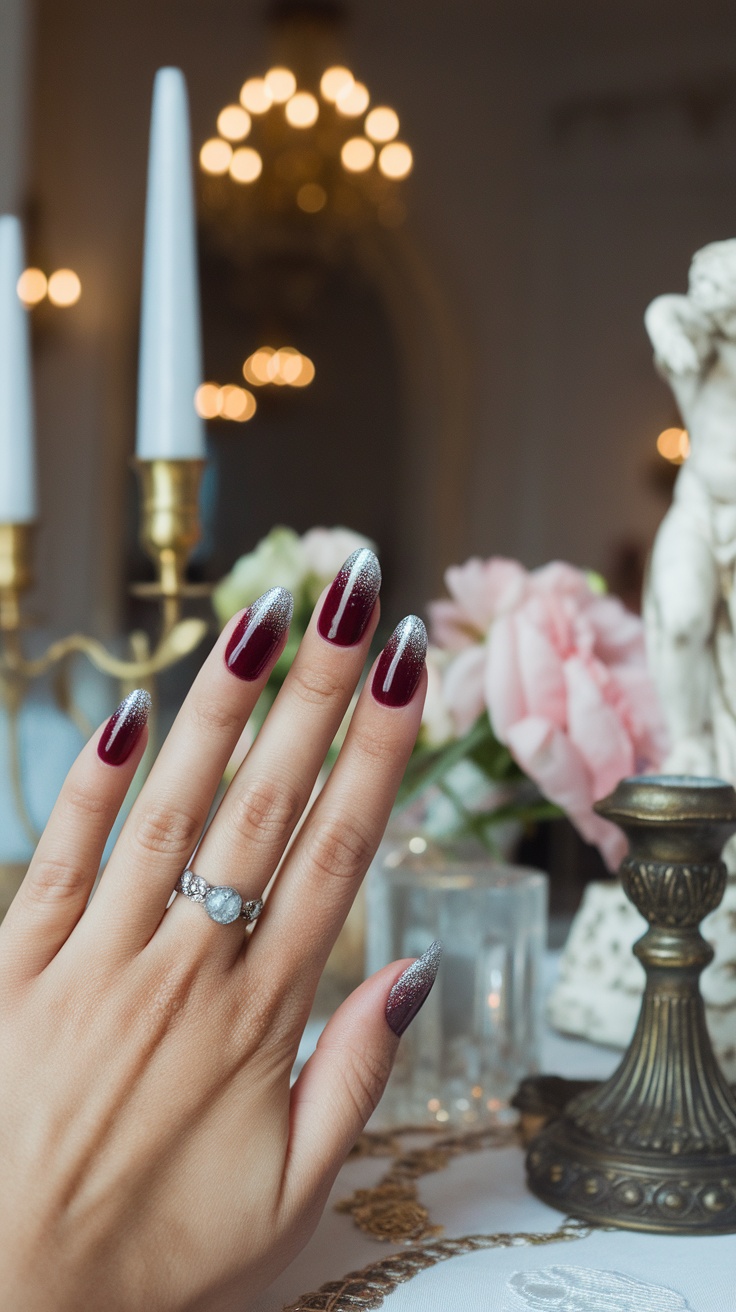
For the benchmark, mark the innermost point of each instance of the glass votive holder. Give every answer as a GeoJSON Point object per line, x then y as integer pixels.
{"type": "Point", "coordinates": [478, 1034]}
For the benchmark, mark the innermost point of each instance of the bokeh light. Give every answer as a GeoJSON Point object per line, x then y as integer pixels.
{"type": "Point", "coordinates": [302, 110]}
{"type": "Point", "coordinates": [233, 122]}
{"type": "Point", "coordinates": [281, 83]}
{"type": "Point", "coordinates": [255, 96]}
{"type": "Point", "coordinates": [246, 165]}
{"type": "Point", "coordinates": [306, 373]}
{"type": "Point", "coordinates": [286, 367]}
{"type": "Point", "coordinates": [335, 81]}
{"type": "Point", "coordinates": [32, 286]}
{"type": "Point", "coordinates": [311, 198]}
{"type": "Point", "coordinates": [395, 160]}
{"type": "Point", "coordinates": [674, 445]}
{"type": "Point", "coordinates": [353, 100]}
{"type": "Point", "coordinates": [64, 287]}
{"type": "Point", "coordinates": [208, 400]}
{"type": "Point", "coordinates": [255, 369]}
{"type": "Point", "coordinates": [215, 156]}
{"type": "Point", "coordinates": [237, 403]}
{"type": "Point", "coordinates": [382, 124]}
{"type": "Point", "coordinates": [358, 154]}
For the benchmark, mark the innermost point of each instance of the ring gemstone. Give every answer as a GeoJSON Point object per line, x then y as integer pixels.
{"type": "Point", "coordinates": [223, 904]}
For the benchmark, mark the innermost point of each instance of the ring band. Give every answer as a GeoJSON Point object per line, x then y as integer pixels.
{"type": "Point", "coordinates": [223, 904]}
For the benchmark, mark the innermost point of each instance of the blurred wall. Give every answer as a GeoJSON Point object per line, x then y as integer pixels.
{"type": "Point", "coordinates": [14, 102]}
{"type": "Point", "coordinates": [568, 160]}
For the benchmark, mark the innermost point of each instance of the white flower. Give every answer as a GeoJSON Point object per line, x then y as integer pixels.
{"type": "Point", "coordinates": [437, 725]}
{"type": "Point", "coordinates": [277, 561]}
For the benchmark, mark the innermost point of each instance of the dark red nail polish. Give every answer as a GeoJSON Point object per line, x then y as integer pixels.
{"type": "Point", "coordinates": [258, 633]}
{"type": "Point", "coordinates": [400, 663]}
{"type": "Point", "coordinates": [124, 728]}
{"type": "Point", "coordinates": [349, 603]}
{"type": "Point", "coordinates": [412, 989]}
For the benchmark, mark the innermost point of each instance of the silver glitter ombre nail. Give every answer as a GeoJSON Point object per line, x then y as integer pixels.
{"type": "Point", "coordinates": [412, 989]}
{"type": "Point", "coordinates": [401, 663]}
{"type": "Point", "coordinates": [349, 603]}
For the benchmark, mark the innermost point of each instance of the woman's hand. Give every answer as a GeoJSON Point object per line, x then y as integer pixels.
{"type": "Point", "coordinates": [153, 1153]}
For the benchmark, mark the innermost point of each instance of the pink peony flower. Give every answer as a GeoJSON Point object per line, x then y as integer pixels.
{"type": "Point", "coordinates": [562, 672]}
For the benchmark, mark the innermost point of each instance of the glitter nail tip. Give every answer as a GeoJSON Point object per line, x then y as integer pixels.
{"type": "Point", "coordinates": [349, 603]}
{"type": "Point", "coordinates": [258, 633]}
{"type": "Point", "coordinates": [124, 728]}
{"type": "Point", "coordinates": [412, 989]}
{"type": "Point", "coordinates": [401, 663]}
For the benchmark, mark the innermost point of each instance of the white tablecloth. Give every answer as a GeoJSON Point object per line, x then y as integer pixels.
{"type": "Point", "coordinates": [485, 1193]}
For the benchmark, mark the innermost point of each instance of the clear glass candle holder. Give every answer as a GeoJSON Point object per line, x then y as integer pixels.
{"type": "Point", "coordinates": [478, 1034]}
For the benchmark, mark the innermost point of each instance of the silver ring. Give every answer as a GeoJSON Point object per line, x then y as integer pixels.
{"type": "Point", "coordinates": [223, 904]}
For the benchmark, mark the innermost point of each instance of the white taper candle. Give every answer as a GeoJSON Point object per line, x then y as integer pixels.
{"type": "Point", "coordinates": [170, 362]}
{"type": "Point", "coordinates": [17, 453]}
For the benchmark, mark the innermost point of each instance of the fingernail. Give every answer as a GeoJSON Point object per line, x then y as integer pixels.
{"type": "Point", "coordinates": [349, 603]}
{"type": "Point", "coordinates": [258, 633]}
{"type": "Point", "coordinates": [401, 663]}
{"type": "Point", "coordinates": [124, 728]}
{"type": "Point", "coordinates": [412, 989]}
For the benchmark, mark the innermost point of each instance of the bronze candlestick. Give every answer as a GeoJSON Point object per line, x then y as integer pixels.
{"type": "Point", "coordinates": [654, 1147]}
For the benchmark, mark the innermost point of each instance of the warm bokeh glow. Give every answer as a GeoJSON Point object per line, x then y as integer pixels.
{"type": "Point", "coordinates": [311, 198]}
{"type": "Point", "coordinates": [281, 83]}
{"type": "Point", "coordinates": [357, 154]}
{"type": "Point", "coordinates": [674, 445]}
{"type": "Point", "coordinates": [246, 165]}
{"type": "Point", "coordinates": [353, 100]}
{"type": "Point", "coordinates": [255, 369]}
{"type": "Point", "coordinates": [32, 286]}
{"type": "Point", "coordinates": [382, 124]}
{"type": "Point", "coordinates": [306, 373]}
{"type": "Point", "coordinates": [237, 403]}
{"type": "Point", "coordinates": [64, 287]}
{"type": "Point", "coordinates": [395, 160]}
{"type": "Point", "coordinates": [335, 81]}
{"type": "Point", "coordinates": [286, 367]}
{"type": "Point", "coordinates": [208, 400]}
{"type": "Point", "coordinates": [302, 110]}
{"type": "Point", "coordinates": [233, 122]}
{"type": "Point", "coordinates": [215, 156]}
{"type": "Point", "coordinates": [255, 96]}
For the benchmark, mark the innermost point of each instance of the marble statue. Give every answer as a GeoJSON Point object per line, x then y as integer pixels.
{"type": "Point", "coordinates": [690, 602]}
{"type": "Point", "coordinates": [690, 618]}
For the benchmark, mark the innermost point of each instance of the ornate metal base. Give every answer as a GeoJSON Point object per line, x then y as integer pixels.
{"type": "Point", "coordinates": [654, 1147]}
{"type": "Point", "coordinates": [687, 1195]}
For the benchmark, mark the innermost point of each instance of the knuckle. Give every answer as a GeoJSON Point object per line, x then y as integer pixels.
{"type": "Point", "coordinates": [372, 743]}
{"type": "Point", "coordinates": [263, 811]}
{"type": "Point", "coordinates": [315, 685]}
{"type": "Point", "coordinates": [213, 718]}
{"type": "Point", "coordinates": [54, 880]}
{"type": "Point", "coordinates": [365, 1073]}
{"type": "Point", "coordinates": [340, 848]}
{"type": "Point", "coordinates": [86, 803]}
{"type": "Point", "coordinates": [166, 831]}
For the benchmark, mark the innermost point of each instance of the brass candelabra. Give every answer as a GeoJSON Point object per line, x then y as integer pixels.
{"type": "Point", "coordinates": [654, 1147]}
{"type": "Point", "coordinates": [169, 531]}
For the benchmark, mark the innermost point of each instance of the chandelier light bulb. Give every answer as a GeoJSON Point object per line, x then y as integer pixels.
{"type": "Point", "coordinates": [246, 165]}
{"type": "Point", "coordinates": [302, 111]}
{"type": "Point", "coordinates": [255, 96]}
{"type": "Point", "coordinates": [32, 286]}
{"type": "Point", "coordinates": [233, 122]}
{"type": "Point", "coordinates": [353, 100]}
{"type": "Point", "coordinates": [334, 81]}
{"type": "Point", "coordinates": [64, 288]}
{"type": "Point", "coordinates": [358, 154]}
{"type": "Point", "coordinates": [281, 83]}
{"type": "Point", "coordinates": [395, 160]}
{"type": "Point", "coordinates": [215, 156]}
{"type": "Point", "coordinates": [382, 124]}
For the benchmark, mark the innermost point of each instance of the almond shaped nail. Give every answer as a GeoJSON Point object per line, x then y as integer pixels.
{"type": "Point", "coordinates": [124, 728]}
{"type": "Point", "coordinates": [349, 603]}
{"type": "Point", "coordinates": [401, 663]}
{"type": "Point", "coordinates": [412, 989]}
{"type": "Point", "coordinates": [258, 633]}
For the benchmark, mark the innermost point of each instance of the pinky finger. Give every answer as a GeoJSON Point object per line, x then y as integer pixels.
{"type": "Point", "coordinates": [341, 1084]}
{"type": "Point", "coordinates": [64, 867]}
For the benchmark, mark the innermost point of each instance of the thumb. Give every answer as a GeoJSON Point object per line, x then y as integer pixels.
{"type": "Point", "coordinates": [340, 1086]}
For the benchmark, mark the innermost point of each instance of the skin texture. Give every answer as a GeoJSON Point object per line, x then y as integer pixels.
{"type": "Point", "coordinates": [153, 1153]}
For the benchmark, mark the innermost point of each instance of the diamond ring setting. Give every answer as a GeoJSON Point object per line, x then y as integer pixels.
{"type": "Point", "coordinates": [223, 904]}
